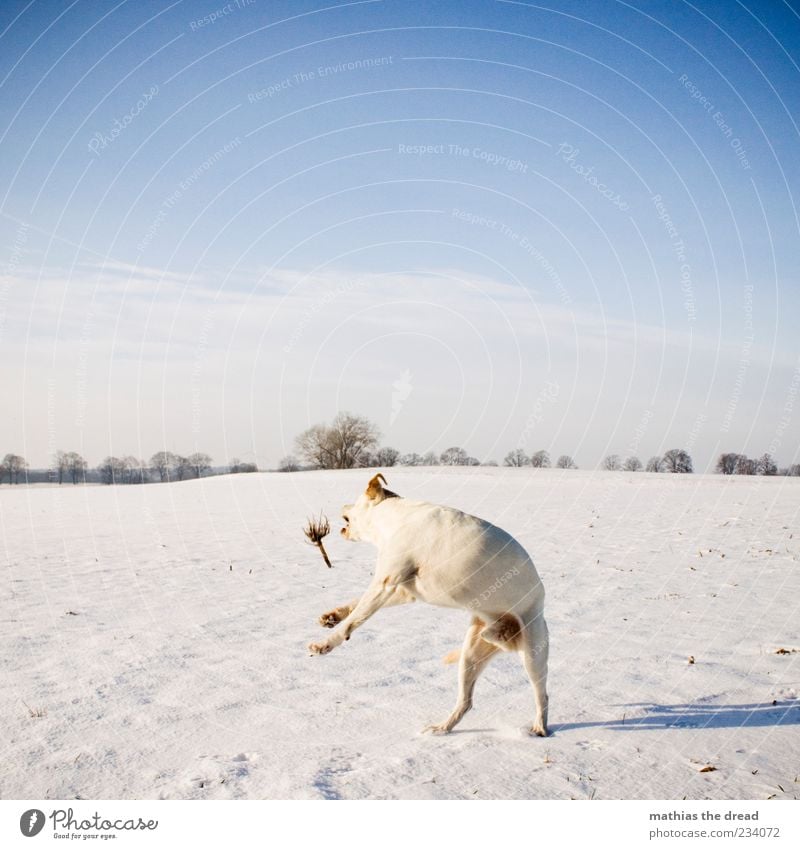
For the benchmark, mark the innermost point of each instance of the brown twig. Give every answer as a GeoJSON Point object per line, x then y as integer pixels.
{"type": "Point", "coordinates": [316, 530]}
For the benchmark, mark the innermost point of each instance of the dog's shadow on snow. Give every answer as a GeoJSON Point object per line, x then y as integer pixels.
{"type": "Point", "coordinates": [764, 715]}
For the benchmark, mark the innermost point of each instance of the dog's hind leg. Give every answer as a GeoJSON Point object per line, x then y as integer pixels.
{"type": "Point", "coordinates": [475, 654]}
{"type": "Point", "coordinates": [534, 649]}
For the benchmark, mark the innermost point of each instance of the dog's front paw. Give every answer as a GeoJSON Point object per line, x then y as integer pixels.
{"type": "Point", "coordinates": [441, 728]}
{"type": "Point", "coordinates": [330, 619]}
{"type": "Point", "coordinates": [320, 648]}
{"type": "Point", "coordinates": [538, 730]}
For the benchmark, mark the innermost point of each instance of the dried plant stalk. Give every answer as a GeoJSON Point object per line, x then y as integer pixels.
{"type": "Point", "coordinates": [316, 530]}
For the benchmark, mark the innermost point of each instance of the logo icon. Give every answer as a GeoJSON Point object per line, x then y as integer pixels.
{"type": "Point", "coordinates": [31, 822]}
{"type": "Point", "coordinates": [401, 389]}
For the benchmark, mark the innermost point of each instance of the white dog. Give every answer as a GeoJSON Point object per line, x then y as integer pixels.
{"type": "Point", "coordinates": [448, 558]}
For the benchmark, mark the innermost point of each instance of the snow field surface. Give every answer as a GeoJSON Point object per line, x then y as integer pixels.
{"type": "Point", "coordinates": [154, 643]}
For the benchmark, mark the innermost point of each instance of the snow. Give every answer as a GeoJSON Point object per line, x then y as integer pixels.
{"type": "Point", "coordinates": [154, 643]}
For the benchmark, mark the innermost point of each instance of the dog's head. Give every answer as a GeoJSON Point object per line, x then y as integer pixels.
{"type": "Point", "coordinates": [357, 516]}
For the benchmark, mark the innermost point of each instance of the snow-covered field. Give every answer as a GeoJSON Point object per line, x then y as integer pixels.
{"type": "Point", "coordinates": [154, 643]}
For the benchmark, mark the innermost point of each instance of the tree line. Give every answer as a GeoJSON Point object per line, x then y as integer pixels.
{"type": "Point", "coordinates": [70, 466]}
{"type": "Point", "coordinates": [741, 464]}
{"type": "Point", "coordinates": [349, 442]}
{"type": "Point", "coordinates": [352, 441]}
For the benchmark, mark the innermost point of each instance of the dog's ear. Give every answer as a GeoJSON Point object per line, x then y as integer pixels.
{"type": "Point", "coordinates": [375, 492]}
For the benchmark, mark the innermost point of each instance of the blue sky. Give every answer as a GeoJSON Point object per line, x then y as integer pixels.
{"type": "Point", "coordinates": [491, 224]}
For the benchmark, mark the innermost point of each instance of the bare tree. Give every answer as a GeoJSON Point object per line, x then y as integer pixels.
{"type": "Point", "coordinates": [540, 460]}
{"type": "Point", "coordinates": [136, 470]}
{"type": "Point", "coordinates": [387, 457]}
{"type": "Point", "coordinates": [342, 445]}
{"type": "Point", "coordinates": [313, 445]}
{"type": "Point", "coordinates": [412, 459]}
{"type": "Point", "coordinates": [14, 465]}
{"type": "Point", "coordinates": [181, 468]}
{"type": "Point", "coordinates": [516, 458]}
{"type": "Point", "coordinates": [76, 466]}
{"type": "Point", "coordinates": [677, 460]}
{"type": "Point", "coordinates": [612, 463]}
{"type": "Point", "coordinates": [632, 464]}
{"type": "Point", "coordinates": [200, 463]}
{"type": "Point", "coordinates": [746, 465]}
{"type": "Point", "coordinates": [454, 456]}
{"type": "Point", "coordinates": [727, 463]}
{"type": "Point", "coordinates": [655, 464]}
{"type": "Point", "coordinates": [60, 465]}
{"type": "Point", "coordinates": [565, 462]}
{"type": "Point", "coordinates": [794, 470]}
{"type": "Point", "coordinates": [430, 459]}
{"type": "Point", "coordinates": [767, 466]}
{"type": "Point", "coordinates": [164, 462]}
{"type": "Point", "coordinates": [350, 437]}
{"type": "Point", "coordinates": [287, 464]}
{"type": "Point", "coordinates": [112, 470]}
{"type": "Point", "coordinates": [472, 461]}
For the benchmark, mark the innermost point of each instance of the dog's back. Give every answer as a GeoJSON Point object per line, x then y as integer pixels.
{"type": "Point", "coordinates": [459, 560]}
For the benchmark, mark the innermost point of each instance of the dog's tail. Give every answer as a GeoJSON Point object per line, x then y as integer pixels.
{"type": "Point", "coordinates": [452, 656]}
